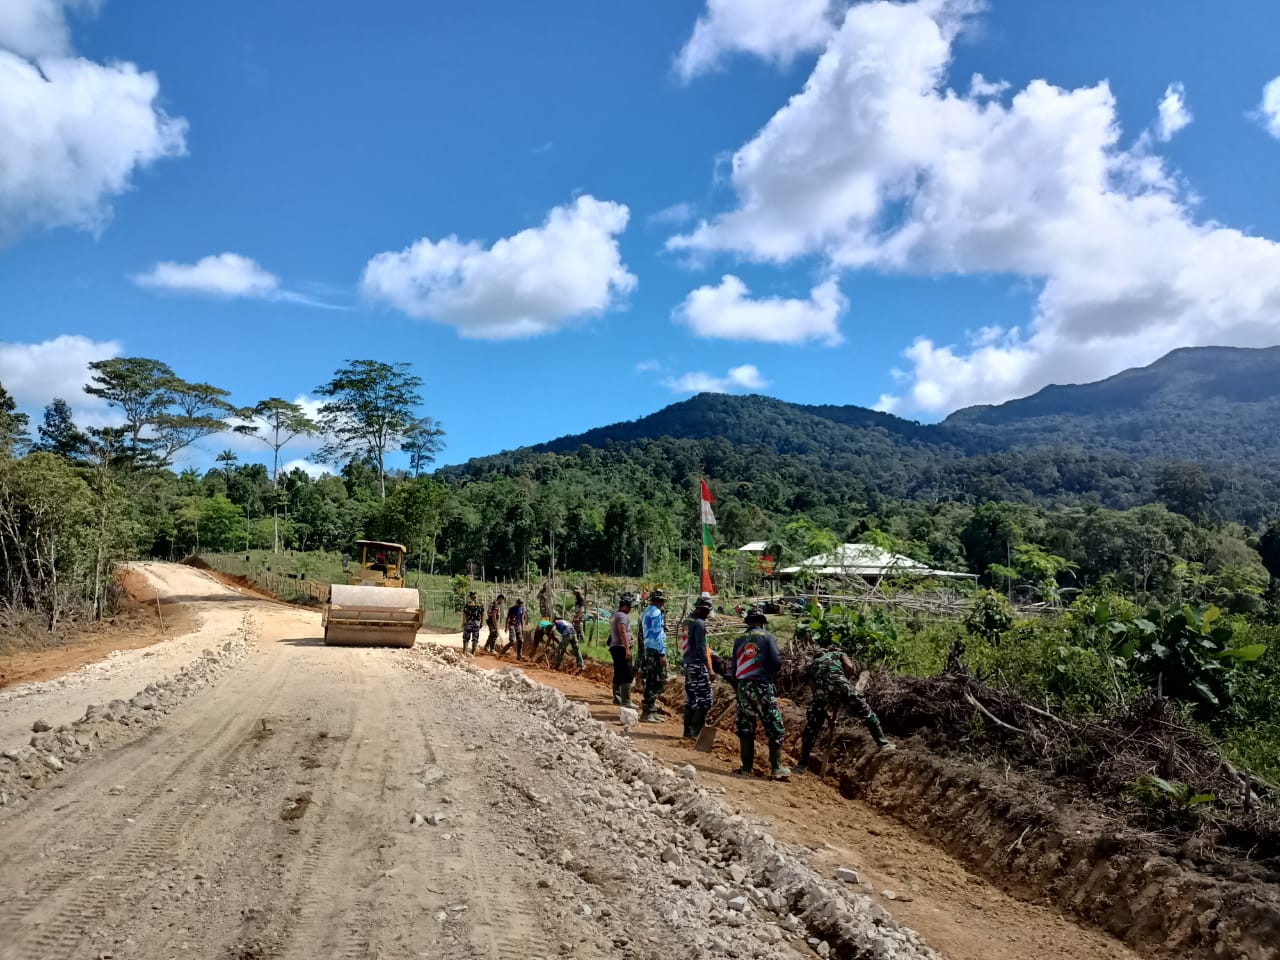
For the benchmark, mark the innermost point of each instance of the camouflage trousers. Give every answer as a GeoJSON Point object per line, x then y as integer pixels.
{"type": "Point", "coordinates": [470, 634]}
{"type": "Point", "coordinates": [757, 701]}
{"type": "Point", "coordinates": [569, 641]}
{"type": "Point", "coordinates": [829, 697]}
{"type": "Point", "coordinates": [655, 679]}
{"type": "Point", "coordinates": [491, 640]}
{"type": "Point", "coordinates": [697, 686]}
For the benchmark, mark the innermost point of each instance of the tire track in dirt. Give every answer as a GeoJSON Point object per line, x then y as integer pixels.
{"type": "Point", "coordinates": [64, 906]}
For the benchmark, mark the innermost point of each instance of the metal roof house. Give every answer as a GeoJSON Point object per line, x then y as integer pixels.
{"type": "Point", "coordinates": [868, 562]}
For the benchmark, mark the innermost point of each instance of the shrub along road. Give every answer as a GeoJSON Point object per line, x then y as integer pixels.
{"type": "Point", "coordinates": [281, 798]}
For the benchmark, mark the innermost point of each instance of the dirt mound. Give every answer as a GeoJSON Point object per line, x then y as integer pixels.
{"type": "Point", "coordinates": [29, 652]}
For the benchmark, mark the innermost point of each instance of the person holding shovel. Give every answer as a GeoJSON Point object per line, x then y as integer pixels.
{"type": "Point", "coordinates": [756, 660]}
{"type": "Point", "coordinates": [830, 675]}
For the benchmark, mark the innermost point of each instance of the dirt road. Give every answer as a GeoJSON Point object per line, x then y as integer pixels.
{"type": "Point", "coordinates": [335, 802]}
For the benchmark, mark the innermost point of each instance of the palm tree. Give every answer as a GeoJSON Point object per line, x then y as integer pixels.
{"type": "Point", "coordinates": [230, 458]}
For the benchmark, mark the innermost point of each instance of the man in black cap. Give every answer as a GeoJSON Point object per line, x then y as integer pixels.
{"type": "Point", "coordinates": [472, 616]}
{"type": "Point", "coordinates": [697, 668]}
{"type": "Point", "coordinates": [755, 665]}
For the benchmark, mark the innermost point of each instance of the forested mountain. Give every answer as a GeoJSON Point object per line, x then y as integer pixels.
{"type": "Point", "coordinates": [1210, 404]}
{"type": "Point", "coordinates": [1195, 429]}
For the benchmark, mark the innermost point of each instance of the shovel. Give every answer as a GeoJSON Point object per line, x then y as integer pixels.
{"type": "Point", "coordinates": [707, 738]}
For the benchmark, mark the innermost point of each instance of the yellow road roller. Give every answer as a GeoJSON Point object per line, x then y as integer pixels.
{"type": "Point", "coordinates": [374, 608]}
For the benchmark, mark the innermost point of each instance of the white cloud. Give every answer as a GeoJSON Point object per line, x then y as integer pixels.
{"type": "Point", "coordinates": [226, 275]}
{"type": "Point", "coordinates": [728, 312]}
{"type": "Point", "coordinates": [222, 275]}
{"type": "Point", "coordinates": [532, 283]}
{"type": "Point", "coordinates": [648, 366]}
{"type": "Point", "coordinates": [1269, 109]}
{"type": "Point", "coordinates": [775, 30]}
{"type": "Point", "coordinates": [980, 86]}
{"type": "Point", "coordinates": [313, 470]}
{"type": "Point", "coordinates": [72, 132]}
{"type": "Point", "coordinates": [745, 377]}
{"type": "Point", "coordinates": [675, 215]}
{"type": "Point", "coordinates": [38, 28]}
{"type": "Point", "coordinates": [1173, 113]}
{"type": "Point", "coordinates": [877, 165]}
{"type": "Point", "coordinates": [35, 373]}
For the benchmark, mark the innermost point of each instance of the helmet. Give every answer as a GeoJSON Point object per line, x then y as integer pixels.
{"type": "Point", "coordinates": [824, 640]}
{"type": "Point", "coordinates": [472, 594]}
{"type": "Point", "coordinates": [703, 602]}
{"type": "Point", "coordinates": [657, 596]}
{"type": "Point", "coordinates": [756, 615]}
{"type": "Point", "coordinates": [628, 598]}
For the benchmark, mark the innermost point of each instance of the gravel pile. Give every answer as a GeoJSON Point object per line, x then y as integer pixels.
{"type": "Point", "coordinates": [645, 844]}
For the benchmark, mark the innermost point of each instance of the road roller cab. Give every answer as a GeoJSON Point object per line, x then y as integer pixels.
{"type": "Point", "coordinates": [374, 608]}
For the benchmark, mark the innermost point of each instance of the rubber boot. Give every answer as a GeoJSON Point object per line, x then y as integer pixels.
{"type": "Point", "coordinates": [688, 722]}
{"type": "Point", "coordinates": [617, 694]}
{"type": "Point", "coordinates": [747, 752]}
{"type": "Point", "coordinates": [696, 723]}
{"type": "Point", "coordinates": [650, 716]}
{"type": "Point", "coordinates": [877, 734]}
{"type": "Point", "coordinates": [806, 748]}
{"type": "Point", "coordinates": [626, 694]}
{"type": "Point", "coordinates": [776, 769]}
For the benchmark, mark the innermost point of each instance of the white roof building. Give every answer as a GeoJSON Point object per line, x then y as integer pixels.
{"type": "Point", "coordinates": [867, 561]}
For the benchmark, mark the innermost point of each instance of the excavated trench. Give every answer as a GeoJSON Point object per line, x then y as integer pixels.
{"type": "Point", "coordinates": [1008, 828]}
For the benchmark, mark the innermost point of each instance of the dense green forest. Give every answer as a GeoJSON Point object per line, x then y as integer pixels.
{"type": "Point", "coordinates": [622, 499]}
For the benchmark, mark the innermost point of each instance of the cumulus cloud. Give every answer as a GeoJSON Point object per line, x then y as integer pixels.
{"type": "Point", "coordinates": [1173, 113]}
{"type": "Point", "coordinates": [878, 165]}
{"type": "Point", "coordinates": [534, 282]}
{"type": "Point", "coordinates": [745, 377]}
{"type": "Point", "coordinates": [223, 275]}
{"type": "Point", "coordinates": [72, 132]}
{"type": "Point", "coordinates": [35, 373]}
{"type": "Point", "coordinates": [775, 30]}
{"type": "Point", "coordinates": [1269, 109]}
{"type": "Point", "coordinates": [728, 312]}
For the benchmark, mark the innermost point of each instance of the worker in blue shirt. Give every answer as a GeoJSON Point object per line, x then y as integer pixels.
{"type": "Point", "coordinates": [653, 627]}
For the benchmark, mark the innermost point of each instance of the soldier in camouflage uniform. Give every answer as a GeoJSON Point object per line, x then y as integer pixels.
{"type": "Point", "coordinates": [697, 668]}
{"type": "Point", "coordinates": [755, 664]}
{"type": "Point", "coordinates": [472, 617]}
{"type": "Point", "coordinates": [832, 690]}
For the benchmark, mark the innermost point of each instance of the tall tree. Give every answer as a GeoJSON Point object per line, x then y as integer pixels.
{"type": "Point", "coordinates": [59, 433]}
{"type": "Point", "coordinates": [163, 413]}
{"type": "Point", "coordinates": [276, 423]}
{"type": "Point", "coordinates": [13, 425]}
{"type": "Point", "coordinates": [369, 412]}
{"type": "Point", "coordinates": [423, 441]}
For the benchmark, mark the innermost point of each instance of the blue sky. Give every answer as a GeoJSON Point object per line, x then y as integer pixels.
{"type": "Point", "coordinates": [639, 208]}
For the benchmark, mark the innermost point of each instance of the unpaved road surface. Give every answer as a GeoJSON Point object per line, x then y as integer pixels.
{"type": "Point", "coordinates": [320, 802]}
